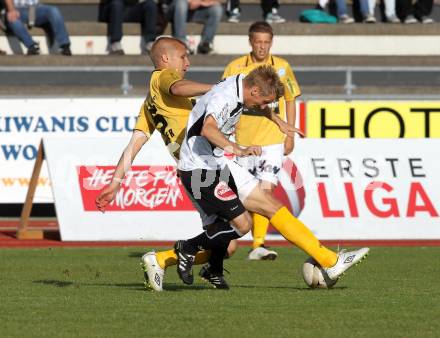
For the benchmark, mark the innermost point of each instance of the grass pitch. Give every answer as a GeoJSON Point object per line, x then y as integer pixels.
{"type": "Point", "coordinates": [67, 292]}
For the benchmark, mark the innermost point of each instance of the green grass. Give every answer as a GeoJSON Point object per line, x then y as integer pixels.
{"type": "Point", "coordinates": [67, 292]}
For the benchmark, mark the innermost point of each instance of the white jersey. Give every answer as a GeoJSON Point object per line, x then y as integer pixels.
{"type": "Point", "coordinates": [224, 102]}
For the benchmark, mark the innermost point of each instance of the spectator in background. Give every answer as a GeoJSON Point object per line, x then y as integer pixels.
{"type": "Point", "coordinates": [116, 12]}
{"type": "Point", "coordinates": [341, 11]}
{"type": "Point", "coordinates": [411, 11]}
{"type": "Point", "coordinates": [269, 7]}
{"type": "Point", "coordinates": [366, 11]}
{"type": "Point", "coordinates": [207, 12]}
{"type": "Point", "coordinates": [2, 16]}
{"type": "Point", "coordinates": [390, 10]}
{"type": "Point", "coordinates": [32, 13]}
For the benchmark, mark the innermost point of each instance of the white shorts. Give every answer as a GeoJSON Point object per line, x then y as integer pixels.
{"type": "Point", "coordinates": [267, 166]}
{"type": "Point", "coordinates": [244, 180]}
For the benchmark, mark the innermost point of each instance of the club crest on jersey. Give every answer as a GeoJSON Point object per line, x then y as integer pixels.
{"type": "Point", "coordinates": [223, 192]}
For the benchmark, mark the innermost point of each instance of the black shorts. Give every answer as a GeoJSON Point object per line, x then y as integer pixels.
{"type": "Point", "coordinates": [214, 191]}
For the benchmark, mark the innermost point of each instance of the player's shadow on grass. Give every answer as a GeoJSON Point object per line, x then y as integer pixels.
{"type": "Point", "coordinates": [54, 282]}
{"type": "Point", "coordinates": [305, 288]}
{"type": "Point", "coordinates": [182, 287]}
{"type": "Point", "coordinates": [136, 254]}
{"type": "Point", "coordinates": [130, 286]}
{"type": "Point", "coordinates": [61, 284]}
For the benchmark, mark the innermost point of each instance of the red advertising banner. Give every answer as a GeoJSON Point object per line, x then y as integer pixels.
{"type": "Point", "coordinates": [144, 188]}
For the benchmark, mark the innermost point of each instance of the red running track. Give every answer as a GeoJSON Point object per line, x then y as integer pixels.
{"type": "Point", "coordinates": [8, 239]}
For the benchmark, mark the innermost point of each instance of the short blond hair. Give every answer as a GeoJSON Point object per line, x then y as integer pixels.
{"type": "Point", "coordinates": [266, 79]}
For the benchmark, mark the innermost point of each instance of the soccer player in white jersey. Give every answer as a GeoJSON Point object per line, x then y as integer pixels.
{"type": "Point", "coordinates": [205, 173]}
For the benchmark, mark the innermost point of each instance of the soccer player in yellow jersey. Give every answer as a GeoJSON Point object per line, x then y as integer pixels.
{"type": "Point", "coordinates": [165, 109]}
{"type": "Point", "coordinates": [255, 129]}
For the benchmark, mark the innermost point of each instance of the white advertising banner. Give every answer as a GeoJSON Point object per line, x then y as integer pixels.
{"type": "Point", "coordinates": [23, 122]}
{"type": "Point", "coordinates": [370, 188]}
{"type": "Point", "coordinates": [150, 205]}
{"type": "Point", "coordinates": [342, 189]}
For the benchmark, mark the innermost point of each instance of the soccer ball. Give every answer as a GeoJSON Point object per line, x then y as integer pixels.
{"type": "Point", "coordinates": [315, 276]}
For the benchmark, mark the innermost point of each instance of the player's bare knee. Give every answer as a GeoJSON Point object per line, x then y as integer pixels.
{"type": "Point", "coordinates": [248, 223]}
{"type": "Point", "coordinates": [243, 223]}
{"type": "Point", "coordinates": [271, 205]}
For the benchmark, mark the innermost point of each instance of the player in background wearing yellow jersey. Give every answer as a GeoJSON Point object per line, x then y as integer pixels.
{"type": "Point", "coordinates": [255, 129]}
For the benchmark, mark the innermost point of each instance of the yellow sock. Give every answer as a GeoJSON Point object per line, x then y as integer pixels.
{"type": "Point", "coordinates": [168, 258]}
{"type": "Point", "coordinates": [297, 233]}
{"type": "Point", "coordinates": [202, 257]}
{"type": "Point", "coordinates": [259, 230]}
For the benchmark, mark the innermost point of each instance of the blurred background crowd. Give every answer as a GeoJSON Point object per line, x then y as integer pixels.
{"type": "Point", "coordinates": [18, 17]}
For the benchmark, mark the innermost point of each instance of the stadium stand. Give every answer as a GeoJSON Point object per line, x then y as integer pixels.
{"type": "Point", "coordinates": [89, 36]}
{"type": "Point", "coordinates": [311, 49]}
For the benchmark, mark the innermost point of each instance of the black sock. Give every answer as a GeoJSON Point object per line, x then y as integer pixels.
{"type": "Point", "coordinates": [217, 258]}
{"type": "Point", "coordinates": [195, 244]}
{"type": "Point", "coordinates": [217, 235]}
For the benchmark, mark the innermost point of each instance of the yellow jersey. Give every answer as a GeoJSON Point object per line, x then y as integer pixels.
{"type": "Point", "coordinates": [259, 130]}
{"type": "Point", "coordinates": [164, 111]}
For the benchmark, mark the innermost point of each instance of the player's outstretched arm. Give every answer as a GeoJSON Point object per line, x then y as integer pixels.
{"type": "Point", "coordinates": [285, 127]}
{"type": "Point", "coordinates": [108, 193]}
{"type": "Point", "coordinates": [216, 137]}
{"type": "Point", "coordinates": [189, 88]}
{"type": "Point", "coordinates": [289, 142]}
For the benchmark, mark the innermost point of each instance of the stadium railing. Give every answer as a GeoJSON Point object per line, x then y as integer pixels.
{"type": "Point", "coordinates": [349, 84]}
